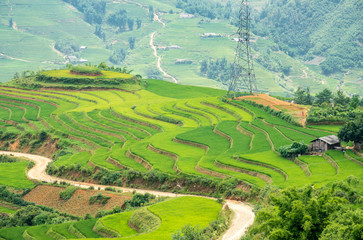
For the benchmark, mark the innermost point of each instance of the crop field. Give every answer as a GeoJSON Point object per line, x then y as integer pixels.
{"type": "Point", "coordinates": [78, 204]}
{"type": "Point", "coordinates": [13, 175]}
{"type": "Point", "coordinates": [170, 128]}
{"type": "Point", "coordinates": [195, 211]}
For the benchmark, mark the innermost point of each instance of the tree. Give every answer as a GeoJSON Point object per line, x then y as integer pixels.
{"type": "Point", "coordinates": [341, 99]}
{"type": "Point", "coordinates": [354, 103]}
{"type": "Point", "coordinates": [118, 56]}
{"type": "Point", "coordinates": [151, 13]}
{"type": "Point", "coordinates": [138, 23]}
{"type": "Point", "coordinates": [204, 67]}
{"type": "Point", "coordinates": [118, 19]}
{"type": "Point", "coordinates": [324, 96]}
{"type": "Point", "coordinates": [130, 23]}
{"type": "Point", "coordinates": [11, 23]}
{"type": "Point", "coordinates": [153, 73]}
{"type": "Point", "coordinates": [132, 41]}
{"type": "Point", "coordinates": [302, 96]}
{"type": "Point", "coordinates": [352, 131]}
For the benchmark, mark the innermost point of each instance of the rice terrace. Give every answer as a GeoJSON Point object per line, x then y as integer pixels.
{"type": "Point", "coordinates": [168, 137]}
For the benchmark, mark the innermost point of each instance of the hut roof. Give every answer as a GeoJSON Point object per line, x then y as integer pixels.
{"type": "Point", "coordinates": [332, 139]}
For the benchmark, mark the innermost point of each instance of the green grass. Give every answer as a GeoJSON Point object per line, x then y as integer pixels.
{"type": "Point", "coordinates": [6, 210]}
{"type": "Point", "coordinates": [119, 223]}
{"type": "Point", "coordinates": [189, 210]}
{"type": "Point", "coordinates": [81, 158]}
{"type": "Point", "coordinates": [13, 175]}
{"type": "Point", "coordinates": [85, 227]}
{"type": "Point", "coordinates": [330, 128]}
{"type": "Point", "coordinates": [171, 90]}
{"type": "Point", "coordinates": [14, 233]}
{"type": "Point", "coordinates": [62, 229]}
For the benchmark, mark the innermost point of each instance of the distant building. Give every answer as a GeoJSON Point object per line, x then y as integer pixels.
{"type": "Point", "coordinates": [82, 60]}
{"type": "Point", "coordinates": [174, 47]}
{"type": "Point", "coordinates": [186, 15]}
{"type": "Point", "coordinates": [325, 143]}
{"type": "Point", "coordinates": [211, 35]}
{"type": "Point", "coordinates": [72, 58]}
{"type": "Point", "coordinates": [183, 61]}
{"type": "Point", "coordinates": [82, 47]}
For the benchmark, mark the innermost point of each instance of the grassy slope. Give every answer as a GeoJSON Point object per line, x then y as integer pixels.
{"type": "Point", "coordinates": [112, 124]}
{"type": "Point", "coordinates": [13, 175]}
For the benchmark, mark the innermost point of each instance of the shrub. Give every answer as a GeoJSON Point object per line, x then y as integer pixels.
{"type": "Point", "coordinates": [67, 193]}
{"type": "Point", "coordinates": [101, 199]}
{"type": "Point", "coordinates": [293, 150]}
{"type": "Point", "coordinates": [86, 70]}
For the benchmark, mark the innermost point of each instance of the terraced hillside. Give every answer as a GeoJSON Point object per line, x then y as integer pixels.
{"type": "Point", "coordinates": [170, 128]}
{"type": "Point", "coordinates": [167, 220]}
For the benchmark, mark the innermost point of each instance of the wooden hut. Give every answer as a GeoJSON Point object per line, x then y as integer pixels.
{"type": "Point", "coordinates": [325, 143]}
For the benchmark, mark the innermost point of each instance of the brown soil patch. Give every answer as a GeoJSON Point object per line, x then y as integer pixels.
{"type": "Point", "coordinates": [298, 112]}
{"type": "Point", "coordinates": [78, 204]}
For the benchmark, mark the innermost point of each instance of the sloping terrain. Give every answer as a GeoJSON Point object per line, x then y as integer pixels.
{"type": "Point", "coordinates": [78, 204]}
{"type": "Point", "coordinates": [163, 38]}
{"type": "Point", "coordinates": [187, 130]}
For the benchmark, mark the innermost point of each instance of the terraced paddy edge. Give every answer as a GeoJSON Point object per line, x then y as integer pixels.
{"type": "Point", "coordinates": [171, 216]}
{"type": "Point", "coordinates": [142, 131]}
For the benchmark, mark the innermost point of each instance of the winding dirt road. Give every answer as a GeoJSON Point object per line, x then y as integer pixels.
{"type": "Point", "coordinates": [243, 214]}
{"type": "Point", "coordinates": [152, 45]}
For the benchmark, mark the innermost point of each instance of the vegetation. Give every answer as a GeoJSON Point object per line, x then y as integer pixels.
{"type": "Point", "coordinates": [309, 213]}
{"type": "Point", "coordinates": [352, 131]}
{"type": "Point", "coordinates": [313, 34]}
{"type": "Point", "coordinates": [293, 150]}
{"type": "Point", "coordinates": [99, 198]}
{"type": "Point", "coordinates": [86, 70]}
{"type": "Point", "coordinates": [67, 193]}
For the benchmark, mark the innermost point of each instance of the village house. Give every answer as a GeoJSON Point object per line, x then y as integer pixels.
{"type": "Point", "coordinates": [325, 143]}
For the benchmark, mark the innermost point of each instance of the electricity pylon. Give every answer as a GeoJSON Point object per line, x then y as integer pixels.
{"type": "Point", "coordinates": [243, 74]}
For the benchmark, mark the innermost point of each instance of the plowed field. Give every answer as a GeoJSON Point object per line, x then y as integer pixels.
{"type": "Point", "coordinates": [295, 110]}
{"type": "Point", "coordinates": [78, 204]}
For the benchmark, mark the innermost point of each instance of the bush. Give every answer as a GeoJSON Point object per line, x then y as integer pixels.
{"type": "Point", "coordinates": [67, 193]}
{"type": "Point", "coordinates": [101, 199]}
{"type": "Point", "coordinates": [293, 150]}
{"type": "Point", "coordinates": [86, 70]}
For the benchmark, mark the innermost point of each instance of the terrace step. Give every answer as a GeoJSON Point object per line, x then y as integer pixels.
{"type": "Point", "coordinates": [143, 123]}
{"type": "Point", "coordinates": [262, 176]}
{"type": "Point", "coordinates": [138, 159]}
{"type": "Point", "coordinates": [53, 234]}
{"type": "Point", "coordinates": [72, 229]}
{"type": "Point", "coordinates": [166, 153]}
{"type": "Point", "coordinates": [263, 165]}
{"type": "Point", "coordinates": [353, 159]}
{"type": "Point", "coordinates": [332, 162]}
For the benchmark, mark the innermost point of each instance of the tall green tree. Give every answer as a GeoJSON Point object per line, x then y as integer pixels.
{"type": "Point", "coordinates": [324, 96]}
{"type": "Point", "coordinates": [352, 131]}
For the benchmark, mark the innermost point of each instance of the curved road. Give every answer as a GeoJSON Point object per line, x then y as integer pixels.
{"type": "Point", "coordinates": [243, 214]}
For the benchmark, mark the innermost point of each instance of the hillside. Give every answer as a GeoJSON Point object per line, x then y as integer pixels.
{"type": "Point", "coordinates": [152, 41]}
{"type": "Point", "coordinates": [170, 130]}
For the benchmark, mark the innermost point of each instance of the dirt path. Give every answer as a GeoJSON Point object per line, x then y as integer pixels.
{"type": "Point", "coordinates": [152, 45]}
{"type": "Point", "coordinates": [243, 214]}
{"type": "Point", "coordinates": [13, 58]}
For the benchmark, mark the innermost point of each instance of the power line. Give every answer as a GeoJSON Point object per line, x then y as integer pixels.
{"type": "Point", "coordinates": [243, 74]}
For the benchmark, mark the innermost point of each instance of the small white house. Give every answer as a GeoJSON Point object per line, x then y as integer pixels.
{"type": "Point", "coordinates": [82, 60]}
{"type": "Point", "coordinates": [174, 47]}
{"type": "Point", "coordinates": [83, 47]}
{"type": "Point", "coordinates": [186, 15]}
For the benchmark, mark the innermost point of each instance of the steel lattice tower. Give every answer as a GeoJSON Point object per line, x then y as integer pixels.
{"type": "Point", "coordinates": [243, 74]}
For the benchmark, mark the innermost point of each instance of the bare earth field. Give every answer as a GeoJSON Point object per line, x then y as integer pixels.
{"type": "Point", "coordinates": [78, 204]}
{"type": "Point", "coordinates": [298, 112]}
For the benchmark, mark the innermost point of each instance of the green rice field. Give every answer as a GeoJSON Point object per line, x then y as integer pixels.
{"type": "Point", "coordinates": [172, 129]}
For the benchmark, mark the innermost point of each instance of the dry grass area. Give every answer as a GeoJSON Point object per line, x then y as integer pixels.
{"type": "Point", "coordinates": [78, 204]}
{"type": "Point", "coordinates": [297, 111]}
